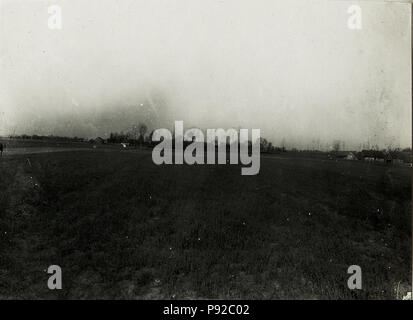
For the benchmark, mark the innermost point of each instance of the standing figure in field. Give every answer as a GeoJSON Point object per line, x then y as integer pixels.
{"type": "Point", "coordinates": [1, 149]}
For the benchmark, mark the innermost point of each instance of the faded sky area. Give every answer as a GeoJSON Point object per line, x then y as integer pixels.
{"type": "Point", "coordinates": [290, 68]}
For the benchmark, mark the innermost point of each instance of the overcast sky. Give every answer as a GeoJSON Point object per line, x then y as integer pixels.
{"type": "Point", "coordinates": [290, 68]}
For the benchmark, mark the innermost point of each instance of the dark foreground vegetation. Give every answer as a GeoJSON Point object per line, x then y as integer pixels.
{"type": "Point", "coordinates": [121, 227]}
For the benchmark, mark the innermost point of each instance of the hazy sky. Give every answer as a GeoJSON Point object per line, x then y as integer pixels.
{"type": "Point", "coordinates": [290, 68]}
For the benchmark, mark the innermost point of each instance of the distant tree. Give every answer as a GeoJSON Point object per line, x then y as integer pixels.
{"type": "Point", "coordinates": [142, 129]}
{"type": "Point", "coordinates": [149, 138]}
{"type": "Point", "coordinates": [283, 145]}
{"type": "Point", "coordinates": [137, 134]}
{"type": "Point", "coordinates": [336, 145]}
{"type": "Point", "coordinates": [263, 144]}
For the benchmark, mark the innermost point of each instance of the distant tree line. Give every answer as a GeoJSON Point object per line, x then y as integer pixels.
{"type": "Point", "coordinates": [48, 138]}
{"type": "Point", "coordinates": [268, 147]}
{"type": "Point", "coordinates": [137, 136]}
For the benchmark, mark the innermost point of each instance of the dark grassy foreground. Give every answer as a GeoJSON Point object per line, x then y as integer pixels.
{"type": "Point", "coordinates": [121, 227]}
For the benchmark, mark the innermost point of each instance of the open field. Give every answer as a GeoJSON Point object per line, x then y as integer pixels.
{"type": "Point", "coordinates": [15, 147]}
{"type": "Point", "coordinates": [121, 227]}
{"type": "Point", "coordinates": [31, 143]}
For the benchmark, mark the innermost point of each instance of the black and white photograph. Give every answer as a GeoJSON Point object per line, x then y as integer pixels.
{"type": "Point", "coordinates": [217, 150]}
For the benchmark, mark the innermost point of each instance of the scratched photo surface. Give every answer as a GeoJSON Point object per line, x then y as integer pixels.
{"type": "Point", "coordinates": [222, 149]}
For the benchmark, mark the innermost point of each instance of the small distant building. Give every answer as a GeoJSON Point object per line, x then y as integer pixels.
{"type": "Point", "coordinates": [339, 155]}
{"type": "Point", "coordinates": [99, 140]}
{"type": "Point", "coordinates": [344, 155]}
{"type": "Point", "coordinates": [397, 161]}
{"type": "Point", "coordinates": [373, 155]}
{"type": "Point", "coordinates": [351, 156]}
{"type": "Point", "coordinates": [367, 155]}
{"type": "Point", "coordinates": [407, 157]}
{"type": "Point", "coordinates": [399, 157]}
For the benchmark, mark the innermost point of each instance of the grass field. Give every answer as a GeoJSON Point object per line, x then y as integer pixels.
{"type": "Point", "coordinates": [121, 227]}
{"type": "Point", "coordinates": [30, 143]}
